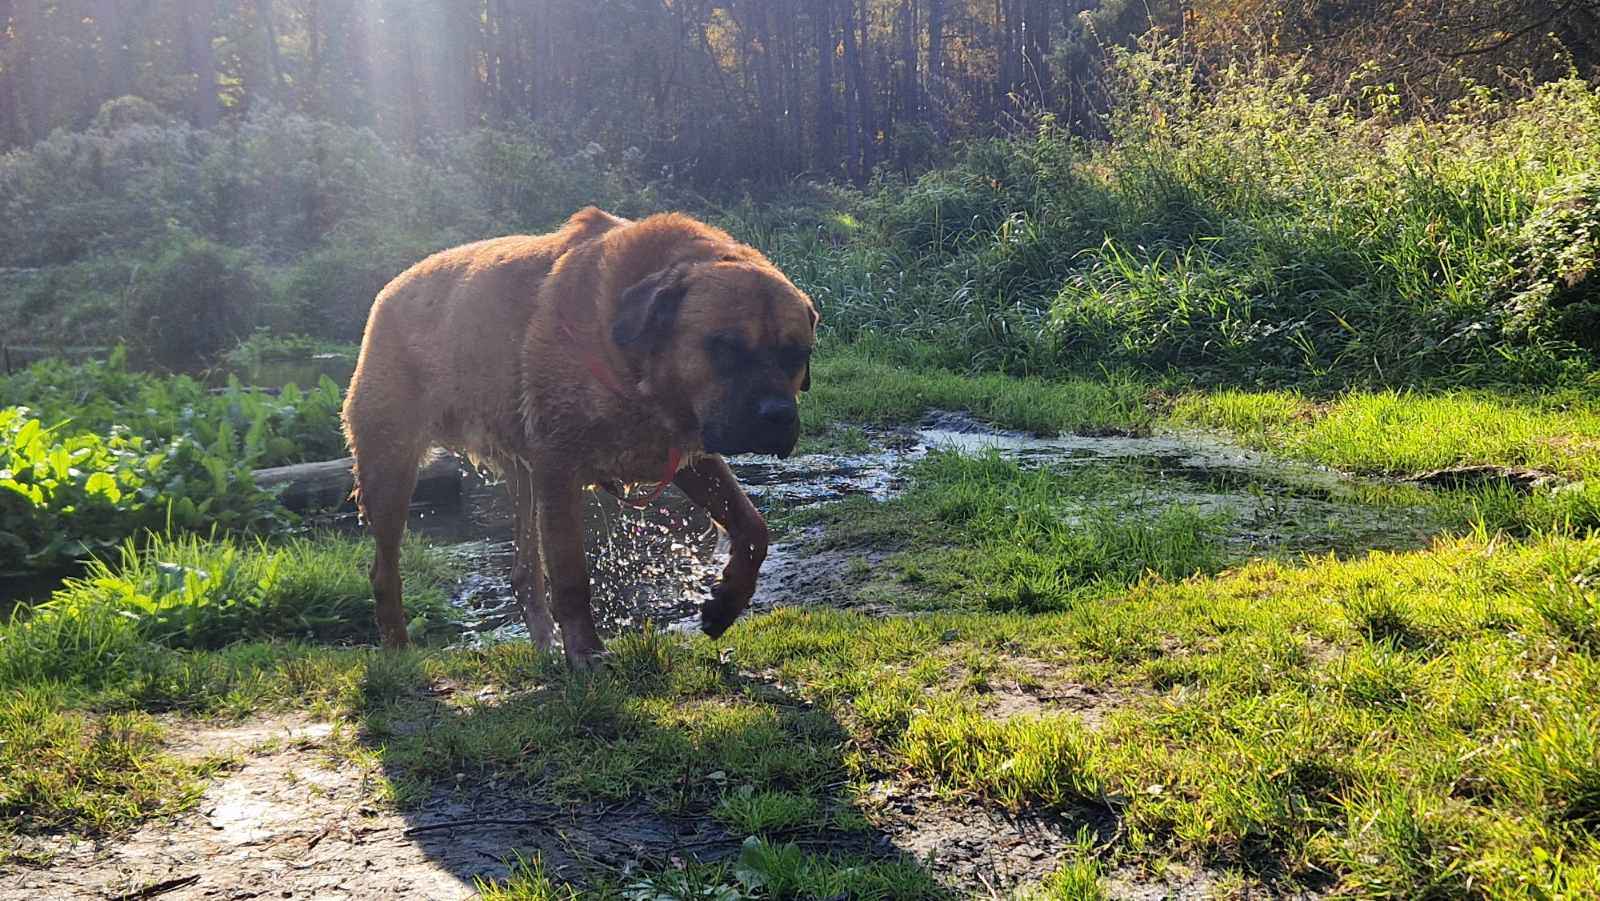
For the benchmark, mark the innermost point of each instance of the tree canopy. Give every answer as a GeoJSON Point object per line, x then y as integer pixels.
{"type": "Point", "coordinates": [727, 91]}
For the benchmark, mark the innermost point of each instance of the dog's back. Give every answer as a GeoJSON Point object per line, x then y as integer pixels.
{"type": "Point", "coordinates": [443, 341]}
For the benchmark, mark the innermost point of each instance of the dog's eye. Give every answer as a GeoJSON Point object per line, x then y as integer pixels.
{"type": "Point", "coordinates": [727, 354]}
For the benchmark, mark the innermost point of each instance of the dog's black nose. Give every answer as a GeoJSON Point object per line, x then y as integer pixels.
{"type": "Point", "coordinates": [779, 411]}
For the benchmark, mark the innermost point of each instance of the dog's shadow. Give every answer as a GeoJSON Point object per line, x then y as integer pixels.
{"type": "Point", "coordinates": [668, 765]}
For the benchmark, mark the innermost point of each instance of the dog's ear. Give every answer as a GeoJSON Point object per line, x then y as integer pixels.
{"type": "Point", "coordinates": [805, 383]}
{"type": "Point", "coordinates": [645, 311]}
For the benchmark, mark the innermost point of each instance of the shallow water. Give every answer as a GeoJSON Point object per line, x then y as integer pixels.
{"type": "Point", "coordinates": [305, 373]}
{"type": "Point", "coordinates": [656, 565]}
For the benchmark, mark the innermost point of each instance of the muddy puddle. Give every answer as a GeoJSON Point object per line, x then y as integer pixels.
{"type": "Point", "coordinates": [656, 565]}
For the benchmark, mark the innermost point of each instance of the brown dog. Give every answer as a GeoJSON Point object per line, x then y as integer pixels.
{"type": "Point", "coordinates": [607, 352]}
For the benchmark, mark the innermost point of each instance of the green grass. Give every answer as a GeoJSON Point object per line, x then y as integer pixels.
{"type": "Point", "coordinates": [62, 768]}
{"type": "Point", "coordinates": [1019, 763]}
{"type": "Point", "coordinates": [855, 384]}
{"type": "Point", "coordinates": [130, 627]}
{"type": "Point", "coordinates": [988, 533]}
{"type": "Point", "coordinates": [1407, 433]}
{"type": "Point", "coordinates": [1288, 706]}
{"type": "Point", "coordinates": [762, 870]}
{"type": "Point", "coordinates": [1079, 878]}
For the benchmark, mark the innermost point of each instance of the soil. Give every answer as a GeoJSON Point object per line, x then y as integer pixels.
{"type": "Point", "coordinates": [795, 573]}
{"type": "Point", "coordinates": [979, 850]}
{"type": "Point", "coordinates": [1090, 704]}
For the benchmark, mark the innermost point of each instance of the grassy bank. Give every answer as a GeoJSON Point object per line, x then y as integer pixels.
{"type": "Point", "coordinates": [1400, 433]}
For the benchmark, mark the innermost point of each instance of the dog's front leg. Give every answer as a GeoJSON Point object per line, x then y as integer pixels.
{"type": "Point", "coordinates": [711, 484]}
{"type": "Point", "coordinates": [560, 515]}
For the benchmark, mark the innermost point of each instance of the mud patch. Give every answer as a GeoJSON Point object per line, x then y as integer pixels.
{"type": "Point", "coordinates": [976, 850]}
{"type": "Point", "coordinates": [1174, 883]}
{"type": "Point", "coordinates": [1090, 704]}
{"type": "Point", "coordinates": [795, 572]}
{"type": "Point", "coordinates": [1182, 882]}
{"type": "Point", "coordinates": [1518, 478]}
{"type": "Point", "coordinates": [194, 742]}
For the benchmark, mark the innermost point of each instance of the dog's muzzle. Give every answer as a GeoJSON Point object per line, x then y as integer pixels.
{"type": "Point", "coordinates": [771, 427]}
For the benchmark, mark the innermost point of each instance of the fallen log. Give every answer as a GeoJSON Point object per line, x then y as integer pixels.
{"type": "Point", "coordinates": [327, 483]}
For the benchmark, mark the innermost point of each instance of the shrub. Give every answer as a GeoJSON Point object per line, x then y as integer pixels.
{"type": "Point", "coordinates": [1556, 281]}
{"type": "Point", "coordinates": [329, 292]}
{"type": "Point", "coordinates": [195, 301]}
{"type": "Point", "coordinates": [187, 593]}
{"type": "Point", "coordinates": [292, 426]}
{"type": "Point", "coordinates": [67, 497]}
{"type": "Point", "coordinates": [1263, 232]}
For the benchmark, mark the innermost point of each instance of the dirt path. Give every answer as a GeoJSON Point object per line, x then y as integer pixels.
{"type": "Point", "coordinates": [293, 820]}
{"type": "Point", "coordinates": [289, 822]}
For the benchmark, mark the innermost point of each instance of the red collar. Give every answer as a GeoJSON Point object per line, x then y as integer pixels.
{"type": "Point", "coordinates": [605, 376]}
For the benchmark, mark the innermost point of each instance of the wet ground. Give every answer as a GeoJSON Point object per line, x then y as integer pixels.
{"type": "Point", "coordinates": [656, 565]}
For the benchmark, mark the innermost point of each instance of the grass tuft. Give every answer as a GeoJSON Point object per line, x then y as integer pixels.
{"type": "Point", "coordinates": [1021, 762]}
{"type": "Point", "coordinates": [65, 769]}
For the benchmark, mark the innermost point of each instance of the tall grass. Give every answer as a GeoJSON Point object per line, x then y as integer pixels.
{"type": "Point", "coordinates": [121, 620]}
{"type": "Point", "coordinates": [1239, 231]}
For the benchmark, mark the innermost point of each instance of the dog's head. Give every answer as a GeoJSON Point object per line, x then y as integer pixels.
{"type": "Point", "coordinates": [727, 340]}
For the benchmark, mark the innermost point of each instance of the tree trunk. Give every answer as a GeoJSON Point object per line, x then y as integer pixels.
{"type": "Point", "coordinates": [269, 32]}
{"type": "Point", "coordinates": [118, 46]}
{"type": "Point", "coordinates": [197, 23]}
{"type": "Point", "coordinates": [416, 112]}
{"type": "Point", "coordinates": [314, 93]}
{"type": "Point", "coordinates": [767, 90]}
{"type": "Point", "coordinates": [11, 104]}
{"type": "Point", "coordinates": [32, 100]}
{"type": "Point", "coordinates": [1036, 51]}
{"type": "Point", "coordinates": [827, 44]}
{"type": "Point", "coordinates": [853, 94]}
{"type": "Point", "coordinates": [910, 103]}
{"type": "Point", "coordinates": [501, 70]}
{"type": "Point", "coordinates": [934, 94]}
{"type": "Point", "coordinates": [327, 483]}
{"type": "Point", "coordinates": [865, 101]}
{"type": "Point", "coordinates": [545, 83]}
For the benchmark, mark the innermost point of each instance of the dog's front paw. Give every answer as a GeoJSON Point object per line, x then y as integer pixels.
{"type": "Point", "coordinates": [591, 661]}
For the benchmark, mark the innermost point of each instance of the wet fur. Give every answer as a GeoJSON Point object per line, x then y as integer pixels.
{"type": "Point", "coordinates": [490, 349]}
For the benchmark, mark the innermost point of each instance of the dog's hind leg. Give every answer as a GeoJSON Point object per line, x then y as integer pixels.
{"type": "Point", "coordinates": [387, 454]}
{"type": "Point", "coordinates": [711, 484]}
{"type": "Point", "coordinates": [527, 572]}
